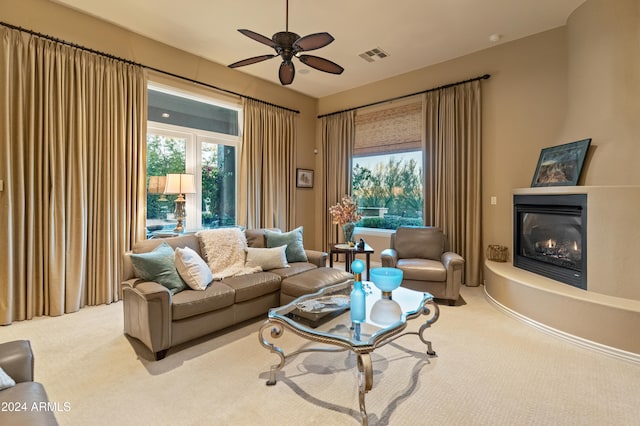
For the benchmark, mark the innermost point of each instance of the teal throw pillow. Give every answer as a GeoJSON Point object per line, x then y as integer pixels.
{"type": "Point", "coordinates": [159, 266]}
{"type": "Point", "coordinates": [292, 239]}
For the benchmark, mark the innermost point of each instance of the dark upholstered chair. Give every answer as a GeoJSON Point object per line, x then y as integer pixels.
{"type": "Point", "coordinates": [427, 265]}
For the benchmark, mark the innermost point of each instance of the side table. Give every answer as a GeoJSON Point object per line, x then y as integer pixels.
{"type": "Point", "coordinates": [350, 255]}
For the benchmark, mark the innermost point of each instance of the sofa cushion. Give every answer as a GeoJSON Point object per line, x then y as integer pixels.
{"type": "Point", "coordinates": [158, 266]}
{"type": "Point", "coordinates": [419, 242]}
{"type": "Point", "coordinates": [190, 241]}
{"type": "Point", "coordinates": [189, 302]}
{"type": "Point", "coordinates": [294, 269]}
{"type": "Point", "coordinates": [267, 258]}
{"type": "Point", "coordinates": [192, 269]}
{"type": "Point", "coordinates": [256, 238]}
{"type": "Point", "coordinates": [312, 281]}
{"type": "Point", "coordinates": [249, 287]}
{"type": "Point", "coordinates": [32, 394]}
{"type": "Point", "coordinates": [292, 239]}
{"type": "Point", "coordinates": [422, 270]}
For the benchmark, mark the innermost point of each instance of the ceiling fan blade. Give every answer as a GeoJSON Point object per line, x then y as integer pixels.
{"type": "Point", "coordinates": [258, 37]}
{"type": "Point", "coordinates": [287, 72]}
{"type": "Point", "coordinates": [312, 42]}
{"type": "Point", "coordinates": [250, 61]}
{"type": "Point", "coordinates": [321, 64]}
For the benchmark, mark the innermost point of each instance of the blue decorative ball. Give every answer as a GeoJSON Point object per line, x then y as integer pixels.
{"type": "Point", "coordinates": [357, 266]}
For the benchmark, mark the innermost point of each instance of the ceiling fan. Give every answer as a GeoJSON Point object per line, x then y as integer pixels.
{"type": "Point", "coordinates": [287, 45]}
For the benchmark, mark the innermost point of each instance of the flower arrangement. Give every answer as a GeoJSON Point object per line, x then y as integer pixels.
{"type": "Point", "coordinates": [345, 211]}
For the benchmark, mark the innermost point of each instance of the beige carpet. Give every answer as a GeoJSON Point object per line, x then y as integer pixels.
{"type": "Point", "coordinates": [491, 370]}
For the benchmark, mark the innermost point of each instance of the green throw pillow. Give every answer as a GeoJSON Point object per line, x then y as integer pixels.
{"type": "Point", "coordinates": [158, 265]}
{"type": "Point", "coordinates": [293, 240]}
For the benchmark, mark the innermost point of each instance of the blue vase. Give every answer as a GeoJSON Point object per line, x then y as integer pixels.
{"type": "Point", "coordinates": [358, 302]}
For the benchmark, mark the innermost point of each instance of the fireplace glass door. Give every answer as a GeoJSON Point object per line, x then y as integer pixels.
{"type": "Point", "coordinates": [550, 236]}
{"type": "Point", "coordinates": [553, 238]}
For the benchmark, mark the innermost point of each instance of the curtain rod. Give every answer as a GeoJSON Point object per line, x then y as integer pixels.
{"type": "Point", "coordinates": [482, 77]}
{"type": "Point", "coordinates": [127, 61]}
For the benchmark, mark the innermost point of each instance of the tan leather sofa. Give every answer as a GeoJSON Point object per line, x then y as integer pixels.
{"type": "Point", "coordinates": [26, 403]}
{"type": "Point", "coordinates": [161, 320]}
{"type": "Point", "coordinates": [427, 265]}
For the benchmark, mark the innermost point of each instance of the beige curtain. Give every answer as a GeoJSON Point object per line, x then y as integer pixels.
{"type": "Point", "coordinates": [452, 170]}
{"type": "Point", "coordinates": [338, 137]}
{"type": "Point", "coordinates": [72, 132]}
{"type": "Point", "coordinates": [267, 167]}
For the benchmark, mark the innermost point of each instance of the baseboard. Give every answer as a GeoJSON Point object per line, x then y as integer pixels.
{"type": "Point", "coordinates": [588, 344]}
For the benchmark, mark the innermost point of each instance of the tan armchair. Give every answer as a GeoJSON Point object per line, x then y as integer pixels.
{"type": "Point", "coordinates": [422, 254]}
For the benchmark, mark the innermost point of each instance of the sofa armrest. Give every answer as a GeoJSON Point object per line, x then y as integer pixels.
{"type": "Point", "coordinates": [147, 313]}
{"type": "Point", "coordinates": [131, 283]}
{"type": "Point", "coordinates": [16, 359]}
{"type": "Point", "coordinates": [451, 260]}
{"type": "Point", "coordinates": [454, 264]}
{"type": "Point", "coordinates": [318, 258]}
{"type": "Point", "coordinates": [389, 258]}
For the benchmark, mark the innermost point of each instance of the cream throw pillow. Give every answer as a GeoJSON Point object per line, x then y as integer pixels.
{"type": "Point", "coordinates": [5, 380]}
{"type": "Point", "coordinates": [267, 258]}
{"type": "Point", "coordinates": [193, 270]}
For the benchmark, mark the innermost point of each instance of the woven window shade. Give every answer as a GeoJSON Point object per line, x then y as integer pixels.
{"type": "Point", "coordinates": [396, 128]}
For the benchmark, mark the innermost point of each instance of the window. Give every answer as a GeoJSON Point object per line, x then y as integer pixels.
{"type": "Point", "coordinates": [387, 165]}
{"type": "Point", "coordinates": [192, 135]}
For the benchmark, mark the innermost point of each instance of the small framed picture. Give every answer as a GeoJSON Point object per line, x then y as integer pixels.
{"type": "Point", "coordinates": [304, 178]}
{"type": "Point", "coordinates": [561, 165]}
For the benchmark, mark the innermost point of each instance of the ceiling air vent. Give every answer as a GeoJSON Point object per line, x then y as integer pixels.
{"type": "Point", "coordinates": [373, 54]}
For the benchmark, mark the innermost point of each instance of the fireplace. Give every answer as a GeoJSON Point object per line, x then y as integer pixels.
{"type": "Point", "coordinates": [550, 236]}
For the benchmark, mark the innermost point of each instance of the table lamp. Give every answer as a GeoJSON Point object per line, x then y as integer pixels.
{"type": "Point", "coordinates": [157, 185]}
{"type": "Point", "coordinates": [180, 184]}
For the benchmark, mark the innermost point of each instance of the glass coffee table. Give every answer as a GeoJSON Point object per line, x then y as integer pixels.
{"type": "Point", "coordinates": [324, 318]}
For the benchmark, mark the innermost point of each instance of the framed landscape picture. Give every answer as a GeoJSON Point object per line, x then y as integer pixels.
{"type": "Point", "coordinates": [304, 178]}
{"type": "Point", "coordinates": [561, 165]}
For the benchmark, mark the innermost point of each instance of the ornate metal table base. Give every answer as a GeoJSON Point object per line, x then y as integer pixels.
{"type": "Point", "coordinates": [276, 327]}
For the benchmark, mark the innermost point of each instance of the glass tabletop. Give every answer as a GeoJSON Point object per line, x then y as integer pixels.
{"type": "Point", "coordinates": [326, 313]}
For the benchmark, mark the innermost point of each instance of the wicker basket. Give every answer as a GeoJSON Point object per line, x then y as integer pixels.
{"type": "Point", "coordinates": [497, 253]}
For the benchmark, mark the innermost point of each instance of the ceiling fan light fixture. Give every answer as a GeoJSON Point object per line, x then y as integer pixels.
{"type": "Point", "coordinates": [288, 45]}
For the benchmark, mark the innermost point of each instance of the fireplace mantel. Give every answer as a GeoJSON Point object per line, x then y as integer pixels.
{"type": "Point", "coordinates": [608, 313]}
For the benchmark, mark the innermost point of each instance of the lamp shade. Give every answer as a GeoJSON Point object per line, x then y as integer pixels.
{"type": "Point", "coordinates": [180, 184]}
{"type": "Point", "coordinates": [156, 184]}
